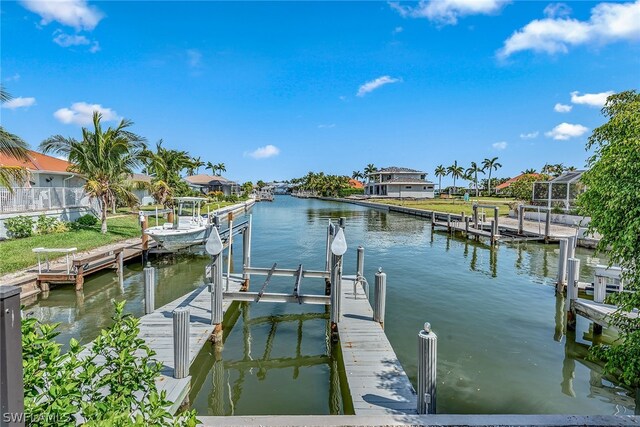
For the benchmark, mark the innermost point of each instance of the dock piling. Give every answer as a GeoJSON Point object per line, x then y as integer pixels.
{"type": "Point", "coordinates": [599, 288]}
{"type": "Point", "coordinates": [359, 270]}
{"type": "Point", "coordinates": [466, 226]}
{"type": "Point", "coordinates": [246, 253]}
{"type": "Point", "coordinates": [547, 226]}
{"type": "Point", "coordinates": [120, 264]}
{"type": "Point", "coordinates": [149, 289]}
{"type": "Point", "coordinates": [448, 222]}
{"type": "Point", "coordinates": [338, 249]}
{"type": "Point", "coordinates": [380, 296]}
{"type": "Point", "coordinates": [573, 273]}
{"type": "Point", "coordinates": [433, 220]}
{"type": "Point", "coordinates": [216, 290]}
{"type": "Point", "coordinates": [427, 364]}
{"type": "Point", "coordinates": [230, 247]}
{"type": "Point", "coordinates": [181, 342]}
{"type": "Point", "coordinates": [11, 391]}
{"type": "Point", "coordinates": [475, 215]}
{"type": "Point", "coordinates": [562, 265]}
{"type": "Point", "coordinates": [496, 226]}
{"type": "Point", "coordinates": [571, 247]}
{"type": "Point", "coordinates": [144, 224]}
{"type": "Point", "coordinates": [520, 219]}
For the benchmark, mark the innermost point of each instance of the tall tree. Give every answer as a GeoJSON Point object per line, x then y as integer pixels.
{"type": "Point", "coordinates": [473, 172]}
{"type": "Point", "coordinates": [612, 200]}
{"type": "Point", "coordinates": [456, 172]}
{"type": "Point", "coordinates": [528, 171]}
{"type": "Point", "coordinates": [212, 167]}
{"type": "Point", "coordinates": [196, 164]}
{"type": "Point", "coordinates": [166, 164]}
{"type": "Point", "coordinates": [369, 169]}
{"type": "Point", "coordinates": [490, 165]}
{"type": "Point", "coordinates": [11, 146]}
{"type": "Point", "coordinates": [440, 172]}
{"type": "Point", "coordinates": [357, 175]}
{"type": "Point", "coordinates": [105, 158]}
{"type": "Point", "coordinates": [220, 167]}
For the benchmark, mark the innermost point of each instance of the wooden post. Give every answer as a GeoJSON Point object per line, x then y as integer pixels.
{"type": "Point", "coordinates": [144, 224]}
{"type": "Point", "coordinates": [573, 268]}
{"type": "Point", "coordinates": [475, 215]}
{"type": "Point", "coordinates": [599, 288]}
{"type": "Point", "coordinates": [493, 232]}
{"type": "Point", "coordinates": [462, 216]}
{"type": "Point", "coordinates": [562, 266]}
{"type": "Point", "coordinates": [11, 387]}
{"type": "Point", "coordinates": [433, 220]}
{"type": "Point", "coordinates": [80, 277]}
{"type": "Point", "coordinates": [229, 248]}
{"type": "Point", "coordinates": [120, 264]}
{"type": "Point", "coordinates": [496, 212]}
{"type": "Point", "coordinates": [547, 226]}
{"type": "Point", "coordinates": [448, 222]}
{"type": "Point", "coordinates": [427, 369]}
{"type": "Point", "coordinates": [246, 254]}
{"type": "Point", "coordinates": [181, 342]}
{"type": "Point", "coordinates": [149, 289]}
{"type": "Point", "coordinates": [466, 226]}
{"type": "Point", "coordinates": [380, 296]}
{"type": "Point", "coordinates": [520, 219]}
{"type": "Point", "coordinates": [170, 216]}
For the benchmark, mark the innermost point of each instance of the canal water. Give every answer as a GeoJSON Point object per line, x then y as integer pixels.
{"type": "Point", "coordinates": [501, 347]}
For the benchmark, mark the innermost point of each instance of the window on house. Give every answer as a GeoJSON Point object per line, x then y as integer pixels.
{"type": "Point", "coordinates": [424, 188]}
{"type": "Point", "coordinates": [407, 187]}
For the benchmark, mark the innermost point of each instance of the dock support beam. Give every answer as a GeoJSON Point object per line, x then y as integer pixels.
{"type": "Point", "coordinates": [181, 342]}
{"type": "Point", "coordinates": [521, 219]}
{"type": "Point", "coordinates": [547, 226]}
{"type": "Point", "coordinates": [380, 296]}
{"type": "Point", "coordinates": [144, 224]}
{"type": "Point", "coordinates": [573, 268]}
{"type": "Point", "coordinates": [149, 289]}
{"type": "Point", "coordinates": [562, 265]}
{"type": "Point", "coordinates": [427, 364]}
{"type": "Point", "coordinates": [12, 387]}
{"type": "Point", "coordinates": [475, 215]}
{"type": "Point", "coordinates": [120, 264]}
{"type": "Point", "coordinates": [496, 213]}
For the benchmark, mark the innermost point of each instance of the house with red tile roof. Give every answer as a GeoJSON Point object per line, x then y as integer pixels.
{"type": "Point", "coordinates": [44, 171]}
{"type": "Point", "coordinates": [502, 187]}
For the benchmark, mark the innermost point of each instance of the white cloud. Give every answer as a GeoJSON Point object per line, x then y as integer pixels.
{"type": "Point", "coordinates": [591, 99]}
{"type": "Point", "coordinates": [95, 47]}
{"type": "Point", "coordinates": [499, 145]}
{"type": "Point", "coordinates": [13, 78]}
{"type": "Point", "coordinates": [609, 22]}
{"type": "Point", "coordinates": [194, 58]}
{"type": "Point", "coordinates": [557, 10]}
{"type": "Point", "coordinates": [565, 131]}
{"type": "Point", "coordinates": [562, 108]}
{"type": "Point", "coordinates": [264, 152]}
{"type": "Point", "coordinates": [73, 13]}
{"type": "Point", "coordinates": [447, 12]}
{"type": "Point", "coordinates": [327, 126]}
{"type": "Point", "coordinates": [397, 30]}
{"type": "Point", "coordinates": [530, 135]}
{"type": "Point", "coordinates": [372, 85]}
{"type": "Point", "coordinates": [19, 102]}
{"type": "Point", "coordinates": [81, 113]}
{"type": "Point", "coordinates": [66, 40]}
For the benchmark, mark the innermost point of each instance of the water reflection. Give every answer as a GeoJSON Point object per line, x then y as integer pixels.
{"type": "Point", "coordinates": [242, 378]}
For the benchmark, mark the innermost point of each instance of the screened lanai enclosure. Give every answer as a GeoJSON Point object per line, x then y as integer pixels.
{"type": "Point", "coordinates": [560, 192]}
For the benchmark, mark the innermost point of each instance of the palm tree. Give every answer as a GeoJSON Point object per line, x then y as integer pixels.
{"type": "Point", "coordinates": [472, 173]}
{"type": "Point", "coordinates": [196, 164]}
{"type": "Point", "coordinates": [221, 168]}
{"type": "Point", "coordinates": [369, 170]}
{"type": "Point", "coordinates": [166, 164]}
{"type": "Point", "coordinates": [528, 171]}
{"type": "Point", "coordinates": [105, 158]}
{"type": "Point", "coordinates": [11, 146]}
{"type": "Point", "coordinates": [570, 169]}
{"type": "Point", "coordinates": [357, 175]}
{"type": "Point", "coordinates": [212, 167]}
{"type": "Point", "coordinates": [440, 172]}
{"type": "Point", "coordinates": [456, 172]}
{"type": "Point", "coordinates": [490, 165]}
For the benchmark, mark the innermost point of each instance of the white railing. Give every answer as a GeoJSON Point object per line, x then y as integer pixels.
{"type": "Point", "coordinates": [44, 198]}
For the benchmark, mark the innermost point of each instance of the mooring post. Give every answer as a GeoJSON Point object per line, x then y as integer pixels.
{"type": "Point", "coordinates": [466, 226]}
{"type": "Point", "coordinates": [149, 289]}
{"type": "Point", "coordinates": [181, 342]}
{"type": "Point", "coordinates": [120, 263]}
{"type": "Point", "coordinates": [462, 216]}
{"type": "Point", "coordinates": [496, 225]}
{"type": "Point", "coordinates": [547, 226]}
{"type": "Point", "coordinates": [11, 387]}
{"type": "Point", "coordinates": [599, 288]}
{"type": "Point", "coordinates": [573, 273]}
{"type": "Point", "coordinates": [562, 266]}
{"type": "Point", "coordinates": [427, 367]}
{"type": "Point", "coordinates": [359, 270]}
{"type": "Point", "coordinates": [448, 222]}
{"type": "Point", "coordinates": [246, 254]}
{"type": "Point", "coordinates": [475, 215]}
{"type": "Point", "coordinates": [433, 220]}
{"type": "Point", "coordinates": [493, 232]}
{"type": "Point", "coordinates": [144, 224]}
{"type": "Point", "coordinates": [571, 247]}
{"type": "Point", "coordinates": [229, 247]}
{"type": "Point", "coordinates": [330, 260]}
{"type": "Point", "coordinates": [213, 273]}
{"type": "Point", "coordinates": [338, 249]}
{"type": "Point", "coordinates": [520, 219]}
{"type": "Point", "coordinates": [380, 296]}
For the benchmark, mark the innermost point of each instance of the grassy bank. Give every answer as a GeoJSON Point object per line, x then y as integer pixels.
{"type": "Point", "coordinates": [449, 205]}
{"type": "Point", "coordinates": [16, 254]}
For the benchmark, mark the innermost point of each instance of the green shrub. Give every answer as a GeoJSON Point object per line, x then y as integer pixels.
{"type": "Point", "coordinates": [87, 220]}
{"type": "Point", "coordinates": [19, 226]}
{"type": "Point", "coordinates": [231, 198]}
{"type": "Point", "coordinates": [344, 192]}
{"type": "Point", "coordinates": [120, 390]}
{"type": "Point", "coordinates": [45, 224]}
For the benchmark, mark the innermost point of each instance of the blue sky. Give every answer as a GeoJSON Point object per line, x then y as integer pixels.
{"type": "Point", "coordinates": [275, 89]}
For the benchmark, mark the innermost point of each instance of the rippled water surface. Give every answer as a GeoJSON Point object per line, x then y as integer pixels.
{"type": "Point", "coordinates": [501, 342]}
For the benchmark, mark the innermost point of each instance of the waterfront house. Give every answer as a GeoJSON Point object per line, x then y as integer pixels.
{"type": "Point", "coordinates": [44, 171]}
{"type": "Point", "coordinates": [213, 183]}
{"type": "Point", "coordinates": [399, 182]}
{"type": "Point", "coordinates": [504, 187]}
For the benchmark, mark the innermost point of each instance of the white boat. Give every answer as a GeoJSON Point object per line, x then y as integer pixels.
{"type": "Point", "coordinates": [186, 230]}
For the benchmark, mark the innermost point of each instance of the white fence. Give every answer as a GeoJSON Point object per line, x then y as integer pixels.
{"type": "Point", "coordinates": [44, 198]}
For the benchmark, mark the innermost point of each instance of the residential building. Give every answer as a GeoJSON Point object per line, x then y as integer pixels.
{"type": "Point", "coordinates": [45, 171]}
{"type": "Point", "coordinates": [211, 183]}
{"type": "Point", "coordinates": [504, 187]}
{"type": "Point", "coordinates": [399, 182]}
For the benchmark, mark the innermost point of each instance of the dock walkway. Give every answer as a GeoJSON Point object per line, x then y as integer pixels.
{"type": "Point", "coordinates": [377, 382]}
{"type": "Point", "coordinates": [597, 312]}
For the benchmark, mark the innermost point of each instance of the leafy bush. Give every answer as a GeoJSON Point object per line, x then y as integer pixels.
{"type": "Point", "coordinates": [120, 390]}
{"type": "Point", "coordinates": [345, 192]}
{"type": "Point", "coordinates": [87, 220]}
{"type": "Point", "coordinates": [19, 226]}
{"type": "Point", "coordinates": [45, 224]}
{"type": "Point", "coordinates": [231, 198]}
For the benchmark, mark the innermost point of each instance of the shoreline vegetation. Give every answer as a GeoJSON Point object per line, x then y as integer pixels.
{"type": "Point", "coordinates": [452, 206]}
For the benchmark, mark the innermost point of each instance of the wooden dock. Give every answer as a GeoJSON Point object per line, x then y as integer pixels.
{"type": "Point", "coordinates": [377, 382]}
{"type": "Point", "coordinates": [598, 313]}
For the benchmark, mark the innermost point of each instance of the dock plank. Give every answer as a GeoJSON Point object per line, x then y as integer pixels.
{"type": "Point", "coordinates": [377, 382]}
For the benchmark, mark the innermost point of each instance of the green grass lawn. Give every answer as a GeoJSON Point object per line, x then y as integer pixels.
{"type": "Point", "coordinates": [16, 254]}
{"type": "Point", "coordinates": [450, 205]}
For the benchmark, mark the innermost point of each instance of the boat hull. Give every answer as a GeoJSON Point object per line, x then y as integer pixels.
{"type": "Point", "coordinates": [173, 240]}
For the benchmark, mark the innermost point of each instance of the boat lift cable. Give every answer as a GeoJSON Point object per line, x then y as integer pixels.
{"type": "Point", "coordinates": [266, 282]}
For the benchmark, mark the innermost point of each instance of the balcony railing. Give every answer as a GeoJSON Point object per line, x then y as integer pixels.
{"type": "Point", "coordinates": [35, 199]}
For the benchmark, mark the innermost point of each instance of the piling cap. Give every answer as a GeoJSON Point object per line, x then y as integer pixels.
{"type": "Point", "coordinates": [427, 327]}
